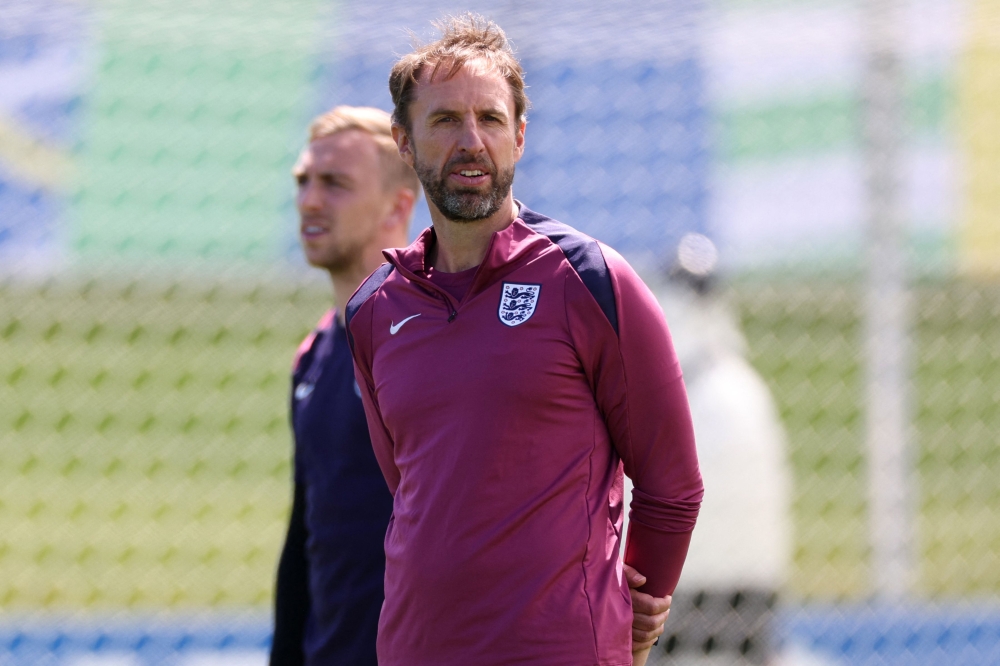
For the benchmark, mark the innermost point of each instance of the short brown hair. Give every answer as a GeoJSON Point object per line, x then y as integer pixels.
{"type": "Point", "coordinates": [377, 124]}
{"type": "Point", "coordinates": [463, 38]}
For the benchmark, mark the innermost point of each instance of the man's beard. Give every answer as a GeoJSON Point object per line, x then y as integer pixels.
{"type": "Point", "coordinates": [465, 204]}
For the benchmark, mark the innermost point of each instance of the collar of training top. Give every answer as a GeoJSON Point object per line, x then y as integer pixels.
{"type": "Point", "coordinates": [508, 248]}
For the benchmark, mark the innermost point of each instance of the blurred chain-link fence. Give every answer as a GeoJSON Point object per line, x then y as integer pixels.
{"type": "Point", "coordinates": [152, 298]}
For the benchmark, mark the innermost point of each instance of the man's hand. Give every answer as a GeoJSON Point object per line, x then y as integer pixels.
{"type": "Point", "coordinates": [648, 616]}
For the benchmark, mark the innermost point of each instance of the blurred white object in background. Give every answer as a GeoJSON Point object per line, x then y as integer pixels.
{"type": "Point", "coordinates": [742, 545]}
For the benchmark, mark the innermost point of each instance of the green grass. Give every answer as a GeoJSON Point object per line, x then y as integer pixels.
{"type": "Point", "coordinates": [146, 449]}
{"type": "Point", "coordinates": [145, 446]}
{"type": "Point", "coordinates": [805, 339]}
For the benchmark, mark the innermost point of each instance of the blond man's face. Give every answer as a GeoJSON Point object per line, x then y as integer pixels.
{"type": "Point", "coordinates": [341, 199]}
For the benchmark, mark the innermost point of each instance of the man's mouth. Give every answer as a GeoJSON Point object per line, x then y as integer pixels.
{"type": "Point", "coordinates": [470, 177]}
{"type": "Point", "coordinates": [312, 230]}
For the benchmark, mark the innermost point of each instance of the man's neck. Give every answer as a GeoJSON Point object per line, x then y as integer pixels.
{"type": "Point", "coordinates": [462, 245]}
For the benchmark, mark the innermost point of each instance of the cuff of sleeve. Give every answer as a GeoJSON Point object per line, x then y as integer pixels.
{"type": "Point", "coordinates": [659, 556]}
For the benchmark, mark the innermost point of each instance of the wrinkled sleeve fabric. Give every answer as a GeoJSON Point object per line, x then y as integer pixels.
{"type": "Point", "coordinates": [637, 382]}
{"type": "Point", "coordinates": [360, 327]}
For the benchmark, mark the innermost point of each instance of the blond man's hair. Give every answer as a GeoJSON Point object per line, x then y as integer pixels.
{"type": "Point", "coordinates": [377, 124]}
{"type": "Point", "coordinates": [465, 38]}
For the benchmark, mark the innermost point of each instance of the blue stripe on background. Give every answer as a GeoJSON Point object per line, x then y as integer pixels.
{"type": "Point", "coordinates": [149, 643]}
{"type": "Point", "coordinates": [958, 635]}
{"type": "Point", "coordinates": [926, 635]}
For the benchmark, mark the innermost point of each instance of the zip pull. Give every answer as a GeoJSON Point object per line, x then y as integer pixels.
{"type": "Point", "coordinates": [451, 318]}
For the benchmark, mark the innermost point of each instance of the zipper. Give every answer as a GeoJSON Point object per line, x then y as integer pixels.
{"type": "Point", "coordinates": [427, 285]}
{"type": "Point", "coordinates": [446, 297]}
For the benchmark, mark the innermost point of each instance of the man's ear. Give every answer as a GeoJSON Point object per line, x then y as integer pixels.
{"type": "Point", "coordinates": [398, 216]}
{"type": "Point", "coordinates": [519, 139]}
{"type": "Point", "coordinates": [402, 140]}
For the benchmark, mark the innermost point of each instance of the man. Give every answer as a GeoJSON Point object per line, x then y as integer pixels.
{"type": "Point", "coordinates": [509, 366]}
{"type": "Point", "coordinates": [355, 197]}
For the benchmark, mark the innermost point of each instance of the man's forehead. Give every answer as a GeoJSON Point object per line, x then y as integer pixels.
{"type": "Point", "coordinates": [341, 149]}
{"type": "Point", "coordinates": [473, 80]}
{"type": "Point", "coordinates": [445, 69]}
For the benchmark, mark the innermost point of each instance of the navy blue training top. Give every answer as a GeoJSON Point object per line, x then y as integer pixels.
{"type": "Point", "coordinates": [346, 502]}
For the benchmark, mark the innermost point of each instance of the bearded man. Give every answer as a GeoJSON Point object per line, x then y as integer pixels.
{"type": "Point", "coordinates": [511, 369]}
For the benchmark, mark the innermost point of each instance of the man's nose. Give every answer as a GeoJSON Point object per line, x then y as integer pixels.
{"type": "Point", "coordinates": [309, 197]}
{"type": "Point", "coordinates": [471, 140]}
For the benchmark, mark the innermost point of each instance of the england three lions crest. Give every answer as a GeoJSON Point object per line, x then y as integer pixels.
{"type": "Point", "coordinates": [517, 302]}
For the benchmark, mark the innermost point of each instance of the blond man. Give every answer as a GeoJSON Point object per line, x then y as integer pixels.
{"type": "Point", "coordinates": [355, 198]}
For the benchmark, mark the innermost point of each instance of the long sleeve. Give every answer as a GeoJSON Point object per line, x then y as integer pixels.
{"type": "Point", "coordinates": [381, 440]}
{"type": "Point", "coordinates": [291, 595]}
{"type": "Point", "coordinates": [360, 336]}
{"type": "Point", "coordinates": [636, 379]}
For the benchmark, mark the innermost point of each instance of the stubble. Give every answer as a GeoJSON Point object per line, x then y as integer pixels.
{"type": "Point", "coordinates": [464, 204]}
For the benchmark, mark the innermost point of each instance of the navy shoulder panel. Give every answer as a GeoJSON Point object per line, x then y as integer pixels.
{"type": "Point", "coordinates": [584, 255]}
{"type": "Point", "coordinates": [364, 292]}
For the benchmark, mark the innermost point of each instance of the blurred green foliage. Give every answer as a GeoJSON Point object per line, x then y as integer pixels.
{"type": "Point", "coordinates": [145, 444]}
{"type": "Point", "coordinates": [146, 447]}
{"type": "Point", "coordinates": [805, 338]}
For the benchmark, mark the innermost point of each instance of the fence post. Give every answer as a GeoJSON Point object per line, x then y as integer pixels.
{"type": "Point", "coordinates": [886, 325]}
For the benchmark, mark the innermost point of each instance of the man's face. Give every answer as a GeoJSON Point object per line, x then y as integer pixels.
{"type": "Point", "coordinates": [464, 141]}
{"type": "Point", "coordinates": [341, 199]}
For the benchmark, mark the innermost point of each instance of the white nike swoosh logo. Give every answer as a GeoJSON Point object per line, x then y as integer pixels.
{"type": "Point", "coordinates": [394, 328]}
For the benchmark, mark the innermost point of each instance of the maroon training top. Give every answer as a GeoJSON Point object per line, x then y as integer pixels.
{"type": "Point", "coordinates": [502, 423]}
